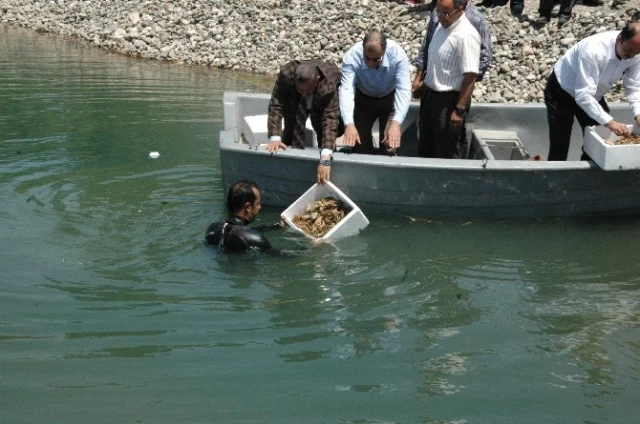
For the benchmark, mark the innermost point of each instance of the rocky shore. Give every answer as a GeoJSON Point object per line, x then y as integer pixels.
{"type": "Point", "coordinates": [260, 35]}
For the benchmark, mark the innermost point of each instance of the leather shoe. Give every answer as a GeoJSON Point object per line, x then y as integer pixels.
{"type": "Point", "coordinates": [563, 19]}
{"type": "Point", "coordinates": [517, 9]}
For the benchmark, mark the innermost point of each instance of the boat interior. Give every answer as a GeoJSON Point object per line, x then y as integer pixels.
{"type": "Point", "coordinates": [513, 132]}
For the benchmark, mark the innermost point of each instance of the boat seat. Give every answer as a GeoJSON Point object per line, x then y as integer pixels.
{"type": "Point", "coordinates": [496, 145]}
{"type": "Point", "coordinates": [254, 131]}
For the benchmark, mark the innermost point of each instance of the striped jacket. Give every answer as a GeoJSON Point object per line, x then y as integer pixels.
{"type": "Point", "coordinates": [325, 110]}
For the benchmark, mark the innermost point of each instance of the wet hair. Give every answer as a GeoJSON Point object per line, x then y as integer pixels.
{"type": "Point", "coordinates": [239, 194]}
{"type": "Point", "coordinates": [629, 31]}
{"type": "Point", "coordinates": [375, 37]}
{"type": "Point", "coordinates": [306, 72]}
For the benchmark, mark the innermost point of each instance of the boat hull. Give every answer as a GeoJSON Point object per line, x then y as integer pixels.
{"type": "Point", "coordinates": [437, 187]}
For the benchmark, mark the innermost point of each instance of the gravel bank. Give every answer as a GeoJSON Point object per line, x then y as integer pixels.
{"type": "Point", "coordinates": [260, 35]}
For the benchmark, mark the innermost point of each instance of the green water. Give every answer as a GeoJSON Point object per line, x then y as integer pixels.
{"type": "Point", "coordinates": [112, 310]}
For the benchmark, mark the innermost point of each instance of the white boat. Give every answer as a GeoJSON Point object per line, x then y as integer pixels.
{"type": "Point", "coordinates": [496, 181]}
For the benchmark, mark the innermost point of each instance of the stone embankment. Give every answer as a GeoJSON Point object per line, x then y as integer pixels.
{"type": "Point", "coordinates": [260, 35]}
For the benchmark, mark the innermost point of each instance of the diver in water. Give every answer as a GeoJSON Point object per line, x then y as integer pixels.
{"type": "Point", "coordinates": [234, 234]}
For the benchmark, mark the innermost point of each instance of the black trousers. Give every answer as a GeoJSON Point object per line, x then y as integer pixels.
{"type": "Point", "coordinates": [546, 6]}
{"type": "Point", "coordinates": [437, 140]}
{"type": "Point", "coordinates": [561, 109]}
{"type": "Point", "coordinates": [366, 110]}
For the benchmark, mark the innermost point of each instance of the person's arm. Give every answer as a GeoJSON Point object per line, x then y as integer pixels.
{"type": "Point", "coordinates": [347, 89]}
{"type": "Point", "coordinates": [330, 122]}
{"type": "Point", "coordinates": [276, 107]}
{"type": "Point", "coordinates": [469, 55]}
{"type": "Point", "coordinates": [631, 82]}
{"type": "Point", "coordinates": [276, 113]}
{"type": "Point", "coordinates": [401, 102]}
{"type": "Point", "coordinates": [464, 99]}
{"type": "Point", "coordinates": [486, 47]}
{"type": "Point", "coordinates": [347, 99]}
{"type": "Point", "coordinates": [423, 54]}
{"type": "Point", "coordinates": [586, 85]}
{"type": "Point", "coordinates": [421, 60]}
{"type": "Point", "coordinates": [255, 240]}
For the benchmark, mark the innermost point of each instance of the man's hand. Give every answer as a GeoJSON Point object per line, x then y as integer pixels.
{"type": "Point", "coordinates": [351, 136]}
{"type": "Point", "coordinates": [392, 135]}
{"type": "Point", "coordinates": [324, 172]}
{"type": "Point", "coordinates": [618, 128]}
{"type": "Point", "coordinates": [416, 85]}
{"type": "Point", "coordinates": [455, 125]}
{"type": "Point", "coordinates": [274, 146]}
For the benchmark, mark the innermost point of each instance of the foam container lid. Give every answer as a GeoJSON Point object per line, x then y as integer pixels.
{"type": "Point", "coordinates": [351, 224]}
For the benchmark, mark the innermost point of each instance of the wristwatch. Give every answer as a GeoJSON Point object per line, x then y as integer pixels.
{"type": "Point", "coordinates": [461, 111]}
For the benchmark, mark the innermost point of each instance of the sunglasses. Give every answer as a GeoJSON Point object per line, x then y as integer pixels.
{"type": "Point", "coordinates": [374, 59]}
{"type": "Point", "coordinates": [446, 14]}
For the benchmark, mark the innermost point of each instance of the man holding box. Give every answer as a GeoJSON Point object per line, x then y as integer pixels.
{"type": "Point", "coordinates": [303, 89]}
{"type": "Point", "coordinates": [582, 77]}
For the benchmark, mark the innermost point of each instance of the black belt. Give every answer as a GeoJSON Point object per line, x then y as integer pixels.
{"type": "Point", "coordinates": [374, 97]}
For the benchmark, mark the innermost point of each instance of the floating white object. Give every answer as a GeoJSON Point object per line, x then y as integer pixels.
{"type": "Point", "coordinates": [154, 155]}
{"type": "Point", "coordinates": [611, 157]}
{"type": "Point", "coordinates": [350, 225]}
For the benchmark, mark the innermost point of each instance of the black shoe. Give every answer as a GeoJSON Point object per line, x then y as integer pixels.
{"type": "Point", "coordinates": [563, 19]}
{"type": "Point", "coordinates": [541, 21]}
{"type": "Point", "coordinates": [517, 9]}
{"type": "Point", "coordinates": [617, 3]}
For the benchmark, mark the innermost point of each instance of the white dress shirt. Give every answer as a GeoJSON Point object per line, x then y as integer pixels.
{"type": "Point", "coordinates": [392, 74]}
{"type": "Point", "coordinates": [453, 52]}
{"type": "Point", "coordinates": [589, 69]}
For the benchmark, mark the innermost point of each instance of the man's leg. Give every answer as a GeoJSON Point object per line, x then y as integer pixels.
{"type": "Point", "coordinates": [561, 109]}
{"type": "Point", "coordinates": [385, 115]}
{"type": "Point", "coordinates": [440, 107]}
{"type": "Point", "coordinates": [426, 148]}
{"type": "Point", "coordinates": [364, 115]}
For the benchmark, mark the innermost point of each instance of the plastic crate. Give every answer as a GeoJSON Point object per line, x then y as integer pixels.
{"type": "Point", "coordinates": [608, 156]}
{"type": "Point", "coordinates": [350, 225]}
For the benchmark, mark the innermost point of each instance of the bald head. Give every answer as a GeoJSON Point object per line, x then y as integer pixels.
{"type": "Point", "coordinates": [373, 48]}
{"type": "Point", "coordinates": [628, 41]}
{"type": "Point", "coordinates": [375, 38]}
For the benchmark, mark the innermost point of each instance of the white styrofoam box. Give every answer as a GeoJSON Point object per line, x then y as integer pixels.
{"type": "Point", "coordinates": [350, 225]}
{"type": "Point", "coordinates": [611, 157]}
{"type": "Point", "coordinates": [255, 130]}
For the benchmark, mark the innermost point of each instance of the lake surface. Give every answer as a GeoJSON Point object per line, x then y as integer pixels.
{"type": "Point", "coordinates": [112, 310]}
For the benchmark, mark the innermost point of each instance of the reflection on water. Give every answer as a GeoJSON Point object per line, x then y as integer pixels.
{"type": "Point", "coordinates": [111, 306]}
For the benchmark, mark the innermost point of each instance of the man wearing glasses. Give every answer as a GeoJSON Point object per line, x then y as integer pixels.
{"type": "Point", "coordinates": [476, 17]}
{"type": "Point", "coordinates": [375, 85]}
{"type": "Point", "coordinates": [582, 77]}
{"type": "Point", "coordinates": [453, 66]}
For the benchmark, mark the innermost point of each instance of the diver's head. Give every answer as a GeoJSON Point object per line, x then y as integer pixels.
{"type": "Point", "coordinates": [243, 200]}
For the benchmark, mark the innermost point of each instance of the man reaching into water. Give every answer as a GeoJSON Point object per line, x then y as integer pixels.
{"type": "Point", "coordinates": [234, 234]}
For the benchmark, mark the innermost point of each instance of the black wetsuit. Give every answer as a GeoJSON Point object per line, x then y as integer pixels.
{"type": "Point", "coordinates": [234, 235]}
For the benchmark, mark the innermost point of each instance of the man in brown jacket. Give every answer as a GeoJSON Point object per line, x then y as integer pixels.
{"type": "Point", "coordinates": [306, 88]}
